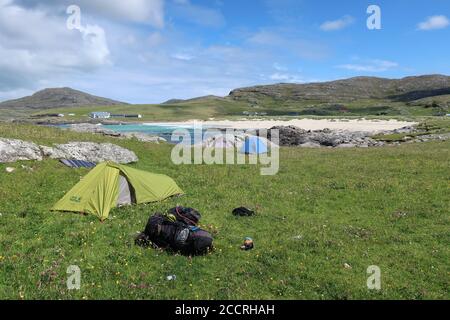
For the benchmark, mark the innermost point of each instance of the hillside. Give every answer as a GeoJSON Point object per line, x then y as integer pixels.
{"type": "Point", "coordinates": [359, 96]}
{"type": "Point", "coordinates": [404, 90]}
{"type": "Point", "coordinates": [179, 101]}
{"type": "Point", "coordinates": [56, 98]}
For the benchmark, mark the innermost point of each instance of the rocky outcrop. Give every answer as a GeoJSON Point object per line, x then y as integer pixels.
{"type": "Point", "coordinates": [293, 136]}
{"type": "Point", "coordinates": [89, 151]}
{"type": "Point", "coordinates": [433, 137]}
{"type": "Point", "coordinates": [142, 137]}
{"type": "Point", "coordinates": [92, 128]}
{"type": "Point", "coordinates": [12, 150]}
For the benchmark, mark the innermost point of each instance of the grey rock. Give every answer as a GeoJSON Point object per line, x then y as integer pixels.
{"type": "Point", "coordinates": [310, 145]}
{"type": "Point", "coordinates": [293, 136]}
{"type": "Point", "coordinates": [290, 135]}
{"type": "Point", "coordinates": [143, 137]}
{"type": "Point", "coordinates": [89, 151]}
{"type": "Point", "coordinates": [408, 129]}
{"type": "Point", "coordinates": [434, 137]}
{"type": "Point", "coordinates": [346, 145]}
{"type": "Point", "coordinates": [91, 128]}
{"type": "Point", "coordinates": [12, 150]}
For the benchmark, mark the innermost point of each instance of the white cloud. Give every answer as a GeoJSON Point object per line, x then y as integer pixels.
{"type": "Point", "coordinates": [282, 74]}
{"type": "Point", "coordinates": [37, 51]}
{"type": "Point", "coordinates": [434, 22]}
{"type": "Point", "coordinates": [155, 39]}
{"type": "Point", "coordinates": [286, 77]}
{"type": "Point", "coordinates": [337, 24]}
{"type": "Point", "coordinates": [142, 11]}
{"type": "Point", "coordinates": [35, 45]}
{"type": "Point", "coordinates": [289, 42]}
{"type": "Point", "coordinates": [279, 67]}
{"type": "Point", "coordinates": [182, 56]}
{"type": "Point", "coordinates": [374, 65]}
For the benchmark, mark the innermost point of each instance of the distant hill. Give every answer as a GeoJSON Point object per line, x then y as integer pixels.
{"type": "Point", "coordinates": [57, 98]}
{"type": "Point", "coordinates": [359, 96]}
{"type": "Point", "coordinates": [403, 90]}
{"type": "Point", "coordinates": [204, 98]}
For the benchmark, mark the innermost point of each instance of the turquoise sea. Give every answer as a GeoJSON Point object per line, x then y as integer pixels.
{"type": "Point", "coordinates": [165, 131]}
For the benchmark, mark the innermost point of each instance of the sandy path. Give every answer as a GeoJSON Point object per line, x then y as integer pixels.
{"type": "Point", "coordinates": [307, 124]}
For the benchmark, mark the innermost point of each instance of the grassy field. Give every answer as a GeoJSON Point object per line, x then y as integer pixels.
{"type": "Point", "coordinates": [221, 108]}
{"type": "Point", "coordinates": [326, 208]}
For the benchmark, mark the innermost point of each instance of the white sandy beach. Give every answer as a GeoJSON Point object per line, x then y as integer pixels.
{"type": "Point", "coordinates": [307, 124]}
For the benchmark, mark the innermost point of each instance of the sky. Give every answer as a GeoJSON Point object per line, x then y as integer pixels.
{"type": "Point", "coordinates": [149, 51]}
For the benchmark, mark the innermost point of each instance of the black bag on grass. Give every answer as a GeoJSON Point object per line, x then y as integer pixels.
{"type": "Point", "coordinates": [243, 212]}
{"type": "Point", "coordinates": [175, 235]}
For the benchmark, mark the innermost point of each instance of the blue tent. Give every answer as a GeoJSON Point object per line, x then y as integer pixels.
{"type": "Point", "coordinates": [254, 145]}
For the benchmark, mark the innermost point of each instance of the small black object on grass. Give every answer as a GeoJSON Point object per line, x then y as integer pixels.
{"type": "Point", "coordinates": [243, 212]}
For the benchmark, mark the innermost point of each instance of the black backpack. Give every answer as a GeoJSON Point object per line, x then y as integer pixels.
{"type": "Point", "coordinates": [188, 216]}
{"type": "Point", "coordinates": [178, 236]}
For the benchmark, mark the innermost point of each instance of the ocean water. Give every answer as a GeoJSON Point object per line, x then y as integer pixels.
{"type": "Point", "coordinates": [163, 130]}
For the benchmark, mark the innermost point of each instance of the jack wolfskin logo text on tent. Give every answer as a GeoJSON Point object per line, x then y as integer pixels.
{"type": "Point", "coordinates": [75, 199]}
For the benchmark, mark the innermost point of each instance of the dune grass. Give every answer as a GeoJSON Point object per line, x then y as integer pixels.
{"type": "Point", "coordinates": [324, 210]}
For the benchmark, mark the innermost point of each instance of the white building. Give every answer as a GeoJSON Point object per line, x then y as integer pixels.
{"type": "Point", "coordinates": [100, 115]}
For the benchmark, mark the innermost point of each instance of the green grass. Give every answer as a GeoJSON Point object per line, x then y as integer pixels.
{"type": "Point", "coordinates": [226, 108]}
{"type": "Point", "coordinates": [425, 127]}
{"type": "Point", "coordinates": [159, 112]}
{"type": "Point", "coordinates": [326, 207]}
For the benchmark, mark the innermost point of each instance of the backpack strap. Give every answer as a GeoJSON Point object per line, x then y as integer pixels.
{"type": "Point", "coordinates": [181, 214]}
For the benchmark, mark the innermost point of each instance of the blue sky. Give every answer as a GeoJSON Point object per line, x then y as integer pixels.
{"type": "Point", "coordinates": [148, 51]}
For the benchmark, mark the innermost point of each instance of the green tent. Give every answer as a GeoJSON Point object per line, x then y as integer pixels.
{"type": "Point", "coordinates": [109, 185]}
